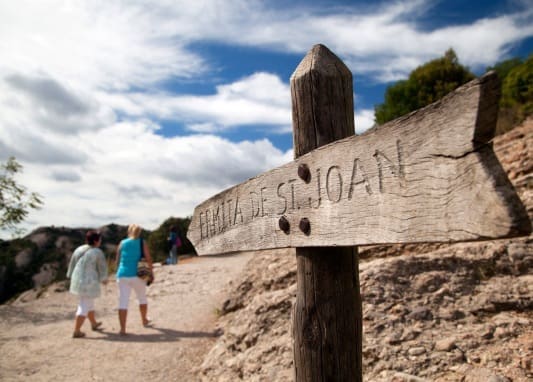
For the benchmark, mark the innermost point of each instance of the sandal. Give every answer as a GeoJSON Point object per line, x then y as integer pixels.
{"type": "Point", "coordinates": [78, 335]}
{"type": "Point", "coordinates": [148, 323]}
{"type": "Point", "coordinates": [97, 326]}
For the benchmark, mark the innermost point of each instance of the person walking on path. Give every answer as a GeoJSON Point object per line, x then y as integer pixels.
{"type": "Point", "coordinates": [87, 269]}
{"type": "Point", "coordinates": [174, 243]}
{"type": "Point", "coordinates": [127, 256]}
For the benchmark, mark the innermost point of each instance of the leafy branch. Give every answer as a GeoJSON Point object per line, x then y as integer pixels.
{"type": "Point", "coordinates": [15, 200]}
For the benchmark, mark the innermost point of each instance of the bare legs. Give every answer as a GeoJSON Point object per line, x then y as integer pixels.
{"type": "Point", "coordinates": [78, 323]}
{"type": "Point", "coordinates": [85, 309]}
{"type": "Point", "coordinates": [95, 325]}
{"type": "Point", "coordinates": [123, 315]}
{"type": "Point", "coordinates": [90, 316]}
{"type": "Point", "coordinates": [77, 327]}
{"type": "Point", "coordinates": [143, 308]}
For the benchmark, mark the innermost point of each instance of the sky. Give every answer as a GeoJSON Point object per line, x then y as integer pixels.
{"type": "Point", "coordinates": [134, 111]}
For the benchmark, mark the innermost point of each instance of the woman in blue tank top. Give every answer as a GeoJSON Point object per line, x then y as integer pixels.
{"type": "Point", "coordinates": [128, 255]}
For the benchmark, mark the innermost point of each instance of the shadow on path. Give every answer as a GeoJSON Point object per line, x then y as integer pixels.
{"type": "Point", "coordinates": [162, 335]}
{"type": "Point", "coordinates": [22, 314]}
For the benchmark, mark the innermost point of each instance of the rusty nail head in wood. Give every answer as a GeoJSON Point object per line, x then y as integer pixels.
{"type": "Point", "coordinates": [284, 224]}
{"type": "Point", "coordinates": [304, 173]}
{"type": "Point", "coordinates": [305, 226]}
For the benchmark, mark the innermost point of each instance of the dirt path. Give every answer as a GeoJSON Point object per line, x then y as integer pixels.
{"type": "Point", "coordinates": [36, 343]}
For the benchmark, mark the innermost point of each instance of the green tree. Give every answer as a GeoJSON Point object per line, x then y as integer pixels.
{"type": "Point", "coordinates": [517, 88]}
{"type": "Point", "coordinates": [516, 102]}
{"type": "Point", "coordinates": [426, 84]}
{"type": "Point", "coordinates": [15, 200]}
{"type": "Point", "coordinates": [503, 68]}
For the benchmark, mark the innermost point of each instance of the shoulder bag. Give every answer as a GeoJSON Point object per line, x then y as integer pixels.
{"type": "Point", "coordinates": [143, 269]}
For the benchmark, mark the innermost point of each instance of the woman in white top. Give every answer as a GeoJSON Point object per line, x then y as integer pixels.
{"type": "Point", "coordinates": [87, 269]}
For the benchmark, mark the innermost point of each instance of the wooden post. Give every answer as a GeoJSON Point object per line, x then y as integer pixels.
{"type": "Point", "coordinates": [328, 315]}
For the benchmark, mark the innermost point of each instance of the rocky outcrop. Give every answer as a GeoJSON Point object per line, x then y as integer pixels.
{"type": "Point", "coordinates": [438, 316]}
{"type": "Point", "coordinates": [256, 321]}
{"type": "Point", "coordinates": [42, 257]}
{"type": "Point", "coordinates": [428, 314]}
{"type": "Point", "coordinates": [431, 312]}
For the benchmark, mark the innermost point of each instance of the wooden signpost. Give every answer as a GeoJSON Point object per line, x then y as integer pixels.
{"type": "Point", "coordinates": [430, 176]}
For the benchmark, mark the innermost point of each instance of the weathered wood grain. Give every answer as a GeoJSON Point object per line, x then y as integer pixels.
{"type": "Point", "coordinates": [328, 322]}
{"type": "Point", "coordinates": [430, 176]}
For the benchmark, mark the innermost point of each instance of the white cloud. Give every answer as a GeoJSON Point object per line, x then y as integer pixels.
{"type": "Point", "coordinates": [101, 44]}
{"type": "Point", "coordinates": [364, 120]}
{"type": "Point", "coordinates": [120, 45]}
{"type": "Point", "coordinates": [51, 105]}
{"type": "Point", "coordinates": [385, 41]}
{"type": "Point", "coordinates": [260, 99]}
{"type": "Point", "coordinates": [390, 45]}
{"type": "Point", "coordinates": [66, 175]}
{"type": "Point", "coordinates": [485, 41]}
{"type": "Point", "coordinates": [206, 127]}
{"type": "Point", "coordinates": [134, 175]}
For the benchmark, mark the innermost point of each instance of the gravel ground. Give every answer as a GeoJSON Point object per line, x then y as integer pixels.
{"type": "Point", "coordinates": [36, 342]}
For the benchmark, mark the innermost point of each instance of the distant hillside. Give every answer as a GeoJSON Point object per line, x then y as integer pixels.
{"type": "Point", "coordinates": [42, 256]}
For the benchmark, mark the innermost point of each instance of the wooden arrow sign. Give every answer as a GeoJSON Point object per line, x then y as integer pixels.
{"type": "Point", "coordinates": [430, 176]}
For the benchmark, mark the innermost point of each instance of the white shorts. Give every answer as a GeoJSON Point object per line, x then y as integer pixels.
{"type": "Point", "coordinates": [85, 305]}
{"type": "Point", "coordinates": [125, 285]}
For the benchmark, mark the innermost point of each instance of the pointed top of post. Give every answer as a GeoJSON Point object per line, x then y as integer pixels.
{"type": "Point", "coordinates": [322, 101]}
{"type": "Point", "coordinates": [322, 60]}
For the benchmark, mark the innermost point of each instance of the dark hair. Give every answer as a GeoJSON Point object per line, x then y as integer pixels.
{"type": "Point", "coordinates": [173, 228]}
{"type": "Point", "coordinates": [92, 237]}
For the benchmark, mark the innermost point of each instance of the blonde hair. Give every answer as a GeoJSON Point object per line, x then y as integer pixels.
{"type": "Point", "coordinates": [134, 231]}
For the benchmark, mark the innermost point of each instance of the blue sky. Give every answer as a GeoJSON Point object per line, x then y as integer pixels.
{"type": "Point", "coordinates": [134, 111]}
